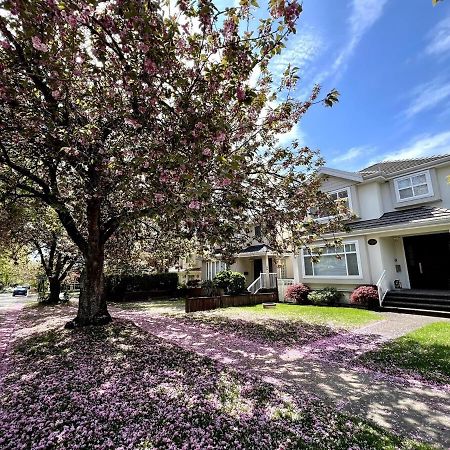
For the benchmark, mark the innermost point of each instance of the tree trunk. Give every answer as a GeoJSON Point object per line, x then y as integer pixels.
{"type": "Point", "coordinates": [55, 290]}
{"type": "Point", "coordinates": [92, 308]}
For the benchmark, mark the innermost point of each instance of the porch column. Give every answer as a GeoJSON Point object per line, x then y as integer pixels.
{"type": "Point", "coordinates": [265, 262]}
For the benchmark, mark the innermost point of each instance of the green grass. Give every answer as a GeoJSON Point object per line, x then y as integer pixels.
{"type": "Point", "coordinates": [166, 306]}
{"type": "Point", "coordinates": [425, 351]}
{"type": "Point", "coordinates": [325, 315]}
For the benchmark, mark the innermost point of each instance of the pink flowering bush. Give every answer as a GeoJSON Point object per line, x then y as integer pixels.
{"type": "Point", "coordinates": [299, 293]}
{"type": "Point", "coordinates": [365, 296]}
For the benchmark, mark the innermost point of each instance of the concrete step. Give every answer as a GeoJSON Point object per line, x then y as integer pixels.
{"type": "Point", "coordinates": [424, 312]}
{"type": "Point", "coordinates": [419, 306]}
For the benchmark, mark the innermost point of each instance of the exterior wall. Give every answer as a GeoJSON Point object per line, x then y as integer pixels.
{"type": "Point", "coordinates": [335, 183]}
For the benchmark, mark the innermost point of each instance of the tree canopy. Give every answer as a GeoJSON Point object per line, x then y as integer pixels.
{"type": "Point", "coordinates": [115, 111]}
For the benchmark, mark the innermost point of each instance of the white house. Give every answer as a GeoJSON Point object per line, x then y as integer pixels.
{"type": "Point", "coordinates": [400, 237]}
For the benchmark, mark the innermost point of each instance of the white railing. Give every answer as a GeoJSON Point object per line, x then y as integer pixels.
{"type": "Point", "coordinates": [383, 287]}
{"type": "Point", "coordinates": [283, 284]}
{"type": "Point", "coordinates": [264, 281]}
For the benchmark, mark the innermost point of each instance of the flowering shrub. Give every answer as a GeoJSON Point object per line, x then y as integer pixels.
{"type": "Point", "coordinates": [325, 297]}
{"type": "Point", "coordinates": [231, 282]}
{"type": "Point", "coordinates": [298, 293]}
{"type": "Point", "coordinates": [364, 296]}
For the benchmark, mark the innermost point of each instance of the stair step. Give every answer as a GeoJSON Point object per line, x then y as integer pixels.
{"type": "Point", "coordinates": [417, 311]}
{"type": "Point", "coordinates": [412, 294]}
{"type": "Point", "coordinates": [398, 298]}
{"type": "Point", "coordinates": [430, 306]}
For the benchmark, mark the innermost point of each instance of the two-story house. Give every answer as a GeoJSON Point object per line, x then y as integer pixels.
{"type": "Point", "coordinates": [400, 237]}
{"type": "Point", "coordinates": [256, 259]}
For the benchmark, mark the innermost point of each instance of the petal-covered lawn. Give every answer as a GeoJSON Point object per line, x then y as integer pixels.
{"type": "Point", "coordinates": [265, 330]}
{"type": "Point", "coordinates": [333, 316]}
{"type": "Point", "coordinates": [119, 387]}
{"type": "Point", "coordinates": [421, 354]}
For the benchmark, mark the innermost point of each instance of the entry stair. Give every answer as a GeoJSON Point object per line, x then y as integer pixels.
{"type": "Point", "coordinates": [431, 302]}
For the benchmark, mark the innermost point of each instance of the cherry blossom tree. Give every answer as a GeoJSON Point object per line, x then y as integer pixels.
{"type": "Point", "coordinates": [116, 111]}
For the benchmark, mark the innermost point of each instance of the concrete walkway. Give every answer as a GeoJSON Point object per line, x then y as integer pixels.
{"type": "Point", "coordinates": [417, 410]}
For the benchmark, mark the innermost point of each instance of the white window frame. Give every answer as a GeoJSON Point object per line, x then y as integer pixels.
{"type": "Point", "coordinates": [214, 267]}
{"type": "Point", "coordinates": [344, 277]}
{"type": "Point", "coordinates": [409, 177]}
{"type": "Point", "coordinates": [336, 191]}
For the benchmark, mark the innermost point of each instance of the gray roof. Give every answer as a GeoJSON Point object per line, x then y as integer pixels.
{"type": "Point", "coordinates": [391, 167]}
{"type": "Point", "coordinates": [407, 216]}
{"type": "Point", "coordinates": [257, 248]}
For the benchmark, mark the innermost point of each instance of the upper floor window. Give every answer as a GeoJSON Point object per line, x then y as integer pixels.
{"type": "Point", "coordinates": [413, 186]}
{"type": "Point", "coordinates": [258, 233]}
{"type": "Point", "coordinates": [341, 195]}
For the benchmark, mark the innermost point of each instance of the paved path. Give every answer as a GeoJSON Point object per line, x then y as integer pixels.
{"type": "Point", "coordinates": [417, 410]}
{"type": "Point", "coordinates": [10, 308]}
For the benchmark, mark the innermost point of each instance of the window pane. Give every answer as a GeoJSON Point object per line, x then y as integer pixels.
{"type": "Point", "coordinates": [404, 183]}
{"type": "Point", "coordinates": [352, 264]}
{"type": "Point", "coordinates": [421, 190]}
{"type": "Point", "coordinates": [334, 196]}
{"type": "Point", "coordinates": [343, 194]}
{"type": "Point", "coordinates": [308, 265]}
{"type": "Point", "coordinates": [405, 193]}
{"type": "Point", "coordinates": [339, 249]}
{"type": "Point", "coordinates": [350, 247]}
{"type": "Point", "coordinates": [419, 179]}
{"type": "Point", "coordinates": [331, 266]}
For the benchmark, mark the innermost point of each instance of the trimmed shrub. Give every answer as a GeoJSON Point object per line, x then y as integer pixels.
{"type": "Point", "coordinates": [325, 297]}
{"type": "Point", "coordinates": [231, 282]}
{"type": "Point", "coordinates": [117, 285]}
{"type": "Point", "coordinates": [365, 296]}
{"type": "Point", "coordinates": [298, 293]}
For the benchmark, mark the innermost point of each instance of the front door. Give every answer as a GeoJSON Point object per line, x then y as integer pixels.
{"type": "Point", "coordinates": [257, 268]}
{"type": "Point", "coordinates": [428, 260]}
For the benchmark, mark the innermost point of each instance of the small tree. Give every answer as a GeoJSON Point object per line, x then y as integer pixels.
{"type": "Point", "coordinates": [32, 228]}
{"type": "Point", "coordinates": [365, 296]}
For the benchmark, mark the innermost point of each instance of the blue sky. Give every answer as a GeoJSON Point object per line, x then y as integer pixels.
{"type": "Point", "coordinates": [390, 60]}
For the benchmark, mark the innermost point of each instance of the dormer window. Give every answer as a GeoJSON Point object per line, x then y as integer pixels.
{"type": "Point", "coordinates": [413, 186]}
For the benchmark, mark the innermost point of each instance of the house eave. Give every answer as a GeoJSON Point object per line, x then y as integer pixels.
{"type": "Point", "coordinates": [340, 174]}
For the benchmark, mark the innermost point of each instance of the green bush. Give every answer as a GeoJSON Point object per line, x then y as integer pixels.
{"type": "Point", "coordinates": [116, 285]}
{"type": "Point", "coordinates": [231, 282]}
{"type": "Point", "coordinates": [324, 297]}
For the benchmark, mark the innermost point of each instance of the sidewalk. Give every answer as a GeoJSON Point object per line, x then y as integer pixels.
{"type": "Point", "coordinates": [416, 409]}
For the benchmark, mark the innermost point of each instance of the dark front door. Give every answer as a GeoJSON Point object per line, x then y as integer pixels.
{"type": "Point", "coordinates": [257, 268]}
{"type": "Point", "coordinates": [428, 260]}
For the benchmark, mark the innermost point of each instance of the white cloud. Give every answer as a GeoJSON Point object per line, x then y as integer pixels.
{"type": "Point", "coordinates": [439, 39]}
{"type": "Point", "coordinates": [300, 50]}
{"type": "Point", "coordinates": [363, 16]}
{"type": "Point", "coordinates": [422, 146]}
{"type": "Point", "coordinates": [296, 133]}
{"type": "Point", "coordinates": [427, 96]}
{"type": "Point", "coordinates": [352, 154]}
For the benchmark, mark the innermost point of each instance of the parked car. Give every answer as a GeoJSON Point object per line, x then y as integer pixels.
{"type": "Point", "coordinates": [20, 290]}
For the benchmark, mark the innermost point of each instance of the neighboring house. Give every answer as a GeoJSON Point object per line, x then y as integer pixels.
{"type": "Point", "coordinates": [189, 269]}
{"type": "Point", "coordinates": [400, 236]}
{"type": "Point", "coordinates": [259, 258]}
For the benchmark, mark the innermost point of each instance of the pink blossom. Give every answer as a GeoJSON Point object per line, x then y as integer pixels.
{"type": "Point", "coordinates": [143, 47]}
{"type": "Point", "coordinates": [38, 44]}
{"type": "Point", "coordinates": [240, 93]}
{"type": "Point", "coordinates": [207, 152]}
{"type": "Point", "coordinates": [150, 67]}
{"type": "Point", "coordinates": [5, 44]}
{"type": "Point", "coordinates": [220, 137]}
{"type": "Point", "coordinates": [56, 94]}
{"type": "Point", "coordinates": [132, 122]}
{"type": "Point", "coordinates": [223, 182]}
{"type": "Point", "coordinates": [195, 204]}
{"type": "Point", "coordinates": [159, 197]}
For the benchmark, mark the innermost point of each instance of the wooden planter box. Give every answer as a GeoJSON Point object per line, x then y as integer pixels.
{"type": "Point", "coordinates": [225, 301]}
{"type": "Point", "coordinates": [201, 304]}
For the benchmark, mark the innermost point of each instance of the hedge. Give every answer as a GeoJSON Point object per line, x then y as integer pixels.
{"type": "Point", "coordinates": [116, 285]}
